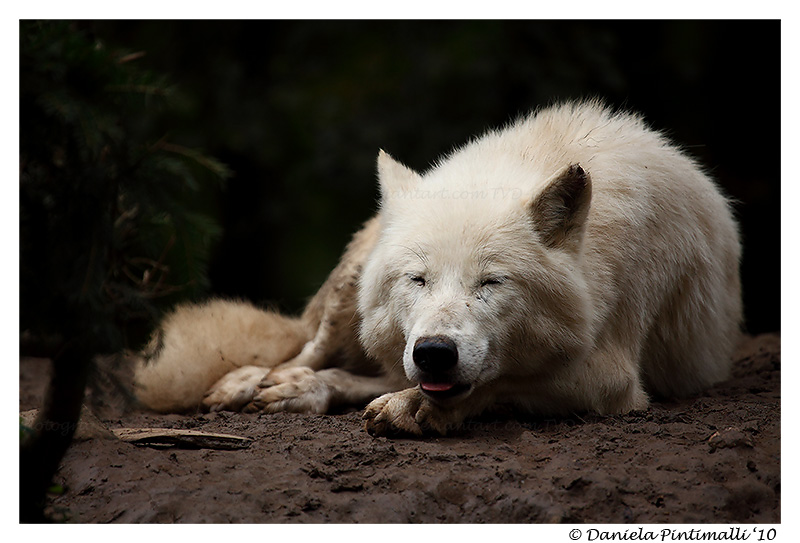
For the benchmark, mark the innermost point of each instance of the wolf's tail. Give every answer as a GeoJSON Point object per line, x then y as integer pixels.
{"type": "Point", "coordinates": [196, 345]}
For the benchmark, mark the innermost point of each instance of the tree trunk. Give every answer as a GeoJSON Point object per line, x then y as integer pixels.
{"type": "Point", "coordinates": [41, 452]}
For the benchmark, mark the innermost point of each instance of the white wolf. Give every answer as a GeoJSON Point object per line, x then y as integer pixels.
{"type": "Point", "coordinates": [573, 261]}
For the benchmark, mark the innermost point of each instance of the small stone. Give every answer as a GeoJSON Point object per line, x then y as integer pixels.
{"type": "Point", "coordinates": [729, 438]}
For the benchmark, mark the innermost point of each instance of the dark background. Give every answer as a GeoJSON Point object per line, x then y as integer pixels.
{"type": "Point", "coordinates": [299, 109]}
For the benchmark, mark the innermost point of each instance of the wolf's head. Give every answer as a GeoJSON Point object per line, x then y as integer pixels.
{"type": "Point", "coordinates": [475, 273]}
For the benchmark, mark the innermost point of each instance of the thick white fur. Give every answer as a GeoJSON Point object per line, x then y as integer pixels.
{"type": "Point", "coordinates": [642, 296]}
{"type": "Point", "coordinates": [576, 258]}
{"type": "Point", "coordinates": [198, 344]}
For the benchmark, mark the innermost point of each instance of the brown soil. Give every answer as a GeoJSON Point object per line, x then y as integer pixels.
{"type": "Point", "coordinates": [714, 458]}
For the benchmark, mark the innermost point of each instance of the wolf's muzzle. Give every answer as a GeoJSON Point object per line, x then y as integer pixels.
{"type": "Point", "coordinates": [437, 358]}
{"type": "Point", "coordinates": [435, 355]}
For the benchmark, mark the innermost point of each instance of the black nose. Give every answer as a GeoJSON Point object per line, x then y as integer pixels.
{"type": "Point", "coordinates": [435, 354]}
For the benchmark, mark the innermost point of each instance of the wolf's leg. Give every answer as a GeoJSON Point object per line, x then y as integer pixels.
{"type": "Point", "coordinates": [334, 334]}
{"type": "Point", "coordinates": [610, 381]}
{"type": "Point", "coordinates": [629, 395]}
{"type": "Point", "coordinates": [302, 390]}
{"type": "Point", "coordinates": [332, 312]}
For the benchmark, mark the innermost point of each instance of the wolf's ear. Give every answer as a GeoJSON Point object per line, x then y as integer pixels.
{"type": "Point", "coordinates": [394, 178]}
{"type": "Point", "coordinates": [559, 212]}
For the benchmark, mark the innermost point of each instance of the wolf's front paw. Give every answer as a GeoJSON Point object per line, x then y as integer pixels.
{"type": "Point", "coordinates": [407, 412]}
{"type": "Point", "coordinates": [295, 389]}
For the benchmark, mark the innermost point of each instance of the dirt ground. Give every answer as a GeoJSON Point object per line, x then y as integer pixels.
{"type": "Point", "coordinates": [714, 458]}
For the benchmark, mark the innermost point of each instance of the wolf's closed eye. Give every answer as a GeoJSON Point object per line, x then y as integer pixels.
{"type": "Point", "coordinates": [488, 281]}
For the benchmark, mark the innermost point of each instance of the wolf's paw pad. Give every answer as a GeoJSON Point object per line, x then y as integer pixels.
{"type": "Point", "coordinates": [406, 412]}
{"type": "Point", "coordinates": [294, 389]}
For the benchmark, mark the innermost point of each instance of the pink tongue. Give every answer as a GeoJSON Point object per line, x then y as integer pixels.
{"type": "Point", "coordinates": [436, 387]}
